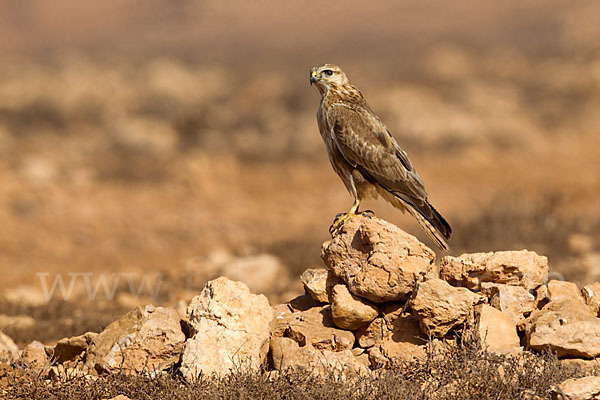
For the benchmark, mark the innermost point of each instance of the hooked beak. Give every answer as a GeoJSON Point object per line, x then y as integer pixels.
{"type": "Point", "coordinates": [313, 77]}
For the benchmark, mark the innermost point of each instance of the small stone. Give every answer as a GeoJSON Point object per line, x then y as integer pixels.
{"type": "Point", "coordinates": [587, 388]}
{"type": "Point", "coordinates": [34, 355]}
{"type": "Point", "coordinates": [350, 311]}
{"type": "Point", "coordinates": [315, 284]}
{"type": "Point", "coordinates": [440, 307]}
{"type": "Point", "coordinates": [562, 290]}
{"type": "Point", "coordinates": [497, 330]}
{"type": "Point", "coordinates": [564, 327]}
{"type": "Point", "coordinates": [120, 397]}
{"type": "Point", "coordinates": [287, 355]}
{"type": "Point", "coordinates": [67, 349]}
{"type": "Point", "coordinates": [372, 333]}
{"type": "Point", "coordinates": [521, 268]}
{"type": "Point", "coordinates": [9, 351]}
{"type": "Point", "coordinates": [591, 296]}
{"type": "Point", "coordinates": [514, 301]}
{"type": "Point", "coordinates": [146, 340]}
{"type": "Point", "coordinates": [313, 327]}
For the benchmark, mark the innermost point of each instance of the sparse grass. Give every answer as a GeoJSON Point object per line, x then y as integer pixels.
{"type": "Point", "coordinates": [458, 372]}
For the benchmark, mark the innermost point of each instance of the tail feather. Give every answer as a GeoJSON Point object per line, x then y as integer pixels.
{"type": "Point", "coordinates": [432, 222]}
{"type": "Point", "coordinates": [438, 236]}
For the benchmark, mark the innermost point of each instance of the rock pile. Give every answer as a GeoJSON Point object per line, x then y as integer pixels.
{"type": "Point", "coordinates": [380, 300]}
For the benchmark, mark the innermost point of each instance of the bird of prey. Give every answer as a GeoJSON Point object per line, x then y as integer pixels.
{"type": "Point", "coordinates": [367, 158]}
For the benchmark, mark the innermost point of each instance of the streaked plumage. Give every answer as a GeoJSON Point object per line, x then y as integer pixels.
{"type": "Point", "coordinates": [367, 158]}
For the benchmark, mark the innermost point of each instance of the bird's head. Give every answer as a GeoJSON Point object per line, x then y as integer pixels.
{"type": "Point", "coordinates": [327, 76]}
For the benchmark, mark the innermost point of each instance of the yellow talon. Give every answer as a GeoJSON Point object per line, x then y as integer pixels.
{"type": "Point", "coordinates": [341, 218]}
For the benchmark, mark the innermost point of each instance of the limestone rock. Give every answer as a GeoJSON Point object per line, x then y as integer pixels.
{"type": "Point", "coordinates": [316, 284]}
{"type": "Point", "coordinates": [563, 290]}
{"type": "Point", "coordinates": [72, 348]}
{"type": "Point", "coordinates": [514, 301]}
{"type": "Point", "coordinates": [377, 260]}
{"type": "Point", "coordinates": [287, 355]}
{"type": "Point", "coordinates": [34, 355]}
{"type": "Point", "coordinates": [393, 338]}
{"type": "Point", "coordinates": [564, 327]}
{"type": "Point", "coordinates": [372, 333]}
{"type": "Point", "coordinates": [522, 268]}
{"type": "Point", "coordinates": [314, 328]}
{"type": "Point", "coordinates": [591, 296]}
{"type": "Point", "coordinates": [440, 307]}
{"type": "Point", "coordinates": [147, 339]}
{"type": "Point", "coordinates": [497, 330]}
{"type": "Point", "coordinates": [587, 388]}
{"type": "Point", "coordinates": [405, 341]}
{"type": "Point", "coordinates": [9, 351]}
{"type": "Point", "coordinates": [542, 297]}
{"type": "Point", "coordinates": [230, 328]}
{"type": "Point", "coordinates": [350, 311]}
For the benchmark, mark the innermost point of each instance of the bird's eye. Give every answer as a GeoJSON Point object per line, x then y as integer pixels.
{"type": "Point", "coordinates": [328, 72]}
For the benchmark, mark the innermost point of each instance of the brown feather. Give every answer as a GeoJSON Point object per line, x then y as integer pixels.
{"type": "Point", "coordinates": [366, 156]}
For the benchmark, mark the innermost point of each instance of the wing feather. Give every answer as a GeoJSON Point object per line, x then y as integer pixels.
{"type": "Point", "coordinates": [366, 143]}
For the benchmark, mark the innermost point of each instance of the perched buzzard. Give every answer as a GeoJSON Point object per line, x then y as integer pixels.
{"type": "Point", "coordinates": [364, 154]}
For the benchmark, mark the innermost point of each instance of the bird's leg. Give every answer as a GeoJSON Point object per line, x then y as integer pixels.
{"type": "Point", "coordinates": [343, 217]}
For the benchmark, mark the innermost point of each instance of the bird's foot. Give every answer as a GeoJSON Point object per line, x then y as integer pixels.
{"type": "Point", "coordinates": [341, 218]}
{"type": "Point", "coordinates": [367, 213]}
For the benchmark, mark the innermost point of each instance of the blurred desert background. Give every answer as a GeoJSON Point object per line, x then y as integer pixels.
{"type": "Point", "coordinates": [171, 142]}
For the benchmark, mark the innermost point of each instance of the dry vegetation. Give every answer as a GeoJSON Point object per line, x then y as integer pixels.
{"type": "Point", "coordinates": [121, 152]}
{"type": "Point", "coordinates": [465, 371]}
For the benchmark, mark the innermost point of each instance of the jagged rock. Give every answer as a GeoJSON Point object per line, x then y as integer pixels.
{"type": "Point", "coordinates": [372, 333]}
{"type": "Point", "coordinates": [587, 388]}
{"type": "Point", "coordinates": [542, 297]}
{"type": "Point", "coordinates": [72, 348]}
{"type": "Point", "coordinates": [315, 283]}
{"type": "Point", "coordinates": [147, 339]}
{"type": "Point", "coordinates": [34, 355]}
{"type": "Point", "coordinates": [591, 296]}
{"type": "Point", "coordinates": [563, 290]}
{"type": "Point", "coordinates": [230, 328]}
{"type": "Point", "coordinates": [9, 351]}
{"type": "Point", "coordinates": [522, 268]}
{"type": "Point", "coordinates": [350, 311]}
{"type": "Point", "coordinates": [314, 328]}
{"type": "Point", "coordinates": [405, 341]}
{"type": "Point", "coordinates": [440, 307]}
{"type": "Point", "coordinates": [497, 330]}
{"type": "Point", "coordinates": [514, 301]}
{"type": "Point", "coordinates": [377, 260]}
{"type": "Point", "coordinates": [564, 327]}
{"type": "Point", "coordinates": [287, 355]}
{"type": "Point", "coordinates": [392, 338]}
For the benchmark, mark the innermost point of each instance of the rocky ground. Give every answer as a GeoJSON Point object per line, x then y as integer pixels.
{"type": "Point", "coordinates": [484, 324]}
{"type": "Point", "coordinates": [146, 151]}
